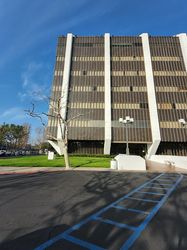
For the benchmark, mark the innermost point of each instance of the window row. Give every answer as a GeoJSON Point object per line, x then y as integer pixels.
{"type": "Point", "coordinates": [126, 106]}
{"type": "Point", "coordinates": [86, 105]}
{"type": "Point", "coordinates": [166, 89]}
{"type": "Point", "coordinates": [101, 73]}
{"type": "Point", "coordinates": [99, 88]}
{"type": "Point", "coordinates": [57, 88]}
{"type": "Point", "coordinates": [169, 73]}
{"type": "Point", "coordinates": [94, 105]}
{"type": "Point", "coordinates": [88, 88]}
{"type": "Point", "coordinates": [172, 106]}
{"type": "Point", "coordinates": [119, 58]}
{"type": "Point", "coordinates": [60, 58]}
{"type": "Point", "coordinates": [58, 73]}
{"type": "Point", "coordinates": [122, 73]}
{"type": "Point", "coordinates": [114, 89]}
{"type": "Point", "coordinates": [87, 123]}
{"type": "Point", "coordinates": [87, 73]}
{"type": "Point", "coordinates": [97, 105]}
{"type": "Point", "coordinates": [170, 89]}
{"type": "Point", "coordinates": [128, 73]}
{"type": "Point", "coordinates": [87, 58]}
{"type": "Point", "coordinates": [127, 58]}
{"type": "Point", "coordinates": [88, 44]}
{"type": "Point", "coordinates": [169, 124]}
{"type": "Point", "coordinates": [126, 44]}
{"type": "Point", "coordinates": [101, 124]}
{"type": "Point", "coordinates": [166, 58]}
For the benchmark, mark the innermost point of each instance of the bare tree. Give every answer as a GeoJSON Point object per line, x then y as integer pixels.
{"type": "Point", "coordinates": [63, 124]}
{"type": "Point", "coordinates": [40, 136]}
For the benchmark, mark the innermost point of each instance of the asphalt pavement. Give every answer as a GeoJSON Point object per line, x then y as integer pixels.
{"type": "Point", "coordinates": [38, 208]}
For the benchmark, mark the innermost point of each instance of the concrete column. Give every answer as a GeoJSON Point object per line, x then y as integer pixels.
{"type": "Point", "coordinates": [183, 43]}
{"type": "Point", "coordinates": [65, 82]}
{"type": "Point", "coordinates": [108, 134]}
{"type": "Point", "coordinates": [56, 146]}
{"type": "Point", "coordinates": [155, 129]}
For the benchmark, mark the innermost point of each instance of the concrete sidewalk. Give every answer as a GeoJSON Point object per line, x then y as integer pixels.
{"type": "Point", "coordinates": [27, 170]}
{"type": "Point", "coordinates": [31, 170]}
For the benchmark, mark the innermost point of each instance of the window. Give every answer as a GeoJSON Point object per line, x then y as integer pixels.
{"type": "Point", "coordinates": [181, 105]}
{"type": "Point", "coordinates": [137, 44]}
{"type": "Point", "coordinates": [173, 106]}
{"type": "Point", "coordinates": [165, 58]}
{"type": "Point", "coordinates": [122, 45]}
{"type": "Point", "coordinates": [169, 124]}
{"type": "Point", "coordinates": [164, 106]}
{"type": "Point", "coordinates": [170, 73]}
{"type": "Point", "coordinates": [84, 72]}
{"type": "Point", "coordinates": [131, 88]}
{"type": "Point", "coordinates": [125, 106]}
{"type": "Point", "coordinates": [144, 105]}
{"type": "Point", "coordinates": [94, 88]}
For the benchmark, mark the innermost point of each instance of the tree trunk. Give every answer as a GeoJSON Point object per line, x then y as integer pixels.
{"type": "Point", "coordinates": [66, 157]}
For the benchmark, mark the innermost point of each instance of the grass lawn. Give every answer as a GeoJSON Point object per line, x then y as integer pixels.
{"type": "Point", "coordinates": [42, 161]}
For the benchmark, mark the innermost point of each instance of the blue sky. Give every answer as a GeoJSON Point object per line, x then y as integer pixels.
{"type": "Point", "coordinates": [29, 32]}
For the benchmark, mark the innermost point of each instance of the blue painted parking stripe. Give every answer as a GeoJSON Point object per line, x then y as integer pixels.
{"type": "Point", "coordinates": [160, 185]}
{"type": "Point", "coordinates": [139, 199]}
{"type": "Point", "coordinates": [157, 187]}
{"type": "Point", "coordinates": [141, 192]}
{"type": "Point", "coordinates": [92, 217]}
{"type": "Point", "coordinates": [167, 179]}
{"type": "Point", "coordinates": [115, 223]}
{"type": "Point", "coordinates": [131, 209]}
{"type": "Point", "coordinates": [137, 233]}
{"type": "Point", "coordinates": [50, 242]}
{"type": "Point", "coordinates": [82, 243]}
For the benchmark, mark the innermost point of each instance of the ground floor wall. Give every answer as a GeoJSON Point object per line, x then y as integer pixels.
{"type": "Point", "coordinates": [86, 147]}
{"type": "Point", "coordinates": [172, 148]}
{"type": "Point", "coordinates": [97, 147]}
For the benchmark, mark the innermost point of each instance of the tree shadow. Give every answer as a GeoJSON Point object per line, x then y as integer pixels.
{"type": "Point", "coordinates": [84, 193]}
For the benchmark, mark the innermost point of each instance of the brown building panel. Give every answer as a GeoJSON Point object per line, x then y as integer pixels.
{"type": "Point", "coordinates": [55, 92]}
{"type": "Point", "coordinates": [130, 47]}
{"type": "Point", "coordinates": [170, 101]}
{"type": "Point", "coordinates": [129, 92]}
{"type": "Point", "coordinates": [84, 50]}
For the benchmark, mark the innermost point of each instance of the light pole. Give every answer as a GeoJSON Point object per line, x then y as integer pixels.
{"type": "Point", "coordinates": [183, 122]}
{"type": "Point", "coordinates": [126, 121]}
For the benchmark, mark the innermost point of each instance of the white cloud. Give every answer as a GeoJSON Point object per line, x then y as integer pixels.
{"type": "Point", "coordinates": [63, 16]}
{"type": "Point", "coordinates": [13, 114]}
{"type": "Point", "coordinates": [32, 68]}
{"type": "Point", "coordinates": [35, 82]}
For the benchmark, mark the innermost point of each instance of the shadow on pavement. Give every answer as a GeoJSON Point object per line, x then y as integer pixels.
{"type": "Point", "coordinates": [76, 195]}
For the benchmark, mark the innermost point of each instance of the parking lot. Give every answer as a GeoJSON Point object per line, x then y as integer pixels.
{"type": "Point", "coordinates": [93, 210]}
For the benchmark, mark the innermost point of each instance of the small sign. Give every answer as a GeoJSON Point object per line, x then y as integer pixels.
{"type": "Point", "coordinates": [51, 155]}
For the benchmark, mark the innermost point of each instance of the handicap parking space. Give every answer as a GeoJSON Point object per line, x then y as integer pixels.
{"type": "Point", "coordinates": [123, 220]}
{"type": "Point", "coordinates": [127, 222]}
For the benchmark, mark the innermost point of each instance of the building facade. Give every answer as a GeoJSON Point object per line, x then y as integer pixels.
{"type": "Point", "coordinates": [102, 78]}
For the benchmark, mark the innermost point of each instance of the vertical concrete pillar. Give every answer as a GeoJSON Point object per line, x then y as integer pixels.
{"type": "Point", "coordinates": [58, 145]}
{"type": "Point", "coordinates": [155, 129]}
{"type": "Point", "coordinates": [183, 44]}
{"type": "Point", "coordinates": [108, 133]}
{"type": "Point", "coordinates": [65, 82]}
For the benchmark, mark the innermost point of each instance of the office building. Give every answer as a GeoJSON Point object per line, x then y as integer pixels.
{"type": "Point", "coordinates": [102, 78]}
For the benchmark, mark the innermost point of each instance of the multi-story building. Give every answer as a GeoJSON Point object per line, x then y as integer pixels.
{"type": "Point", "coordinates": [103, 78]}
